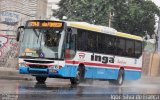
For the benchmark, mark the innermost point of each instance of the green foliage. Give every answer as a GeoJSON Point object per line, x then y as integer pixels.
{"type": "Point", "coordinates": [130, 16]}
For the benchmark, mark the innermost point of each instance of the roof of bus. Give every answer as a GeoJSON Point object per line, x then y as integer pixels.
{"type": "Point", "coordinates": [98, 28]}
{"type": "Point", "coordinates": [102, 29]}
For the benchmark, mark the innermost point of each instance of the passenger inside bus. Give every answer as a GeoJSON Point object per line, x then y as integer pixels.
{"type": "Point", "coordinates": [130, 52]}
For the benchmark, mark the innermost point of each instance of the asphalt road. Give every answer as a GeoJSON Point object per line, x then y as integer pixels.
{"type": "Point", "coordinates": [55, 89]}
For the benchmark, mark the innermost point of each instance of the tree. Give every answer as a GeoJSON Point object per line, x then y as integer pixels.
{"type": "Point", "coordinates": [137, 17]}
{"type": "Point", "coordinates": [130, 16]}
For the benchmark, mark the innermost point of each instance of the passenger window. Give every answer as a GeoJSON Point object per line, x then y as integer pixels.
{"type": "Point", "coordinates": [120, 44]}
{"type": "Point", "coordinates": [82, 40]}
{"type": "Point", "coordinates": [92, 43]}
{"type": "Point", "coordinates": [130, 48]}
{"type": "Point", "coordinates": [102, 43]}
{"type": "Point", "coordinates": [138, 50]}
{"type": "Point", "coordinates": [111, 49]}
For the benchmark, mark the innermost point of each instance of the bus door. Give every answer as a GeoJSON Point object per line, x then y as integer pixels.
{"type": "Point", "coordinates": [70, 51]}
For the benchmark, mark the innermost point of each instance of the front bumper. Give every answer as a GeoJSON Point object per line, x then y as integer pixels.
{"type": "Point", "coordinates": [48, 72]}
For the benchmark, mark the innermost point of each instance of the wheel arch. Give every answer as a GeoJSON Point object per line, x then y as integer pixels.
{"type": "Point", "coordinates": [81, 67]}
{"type": "Point", "coordinates": [81, 64]}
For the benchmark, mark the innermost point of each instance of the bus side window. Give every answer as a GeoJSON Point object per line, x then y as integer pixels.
{"type": "Point", "coordinates": [92, 42]}
{"type": "Point", "coordinates": [130, 48]}
{"type": "Point", "coordinates": [71, 39]}
{"type": "Point", "coordinates": [138, 50]}
{"type": "Point", "coordinates": [111, 45]}
{"type": "Point", "coordinates": [130, 52]}
{"type": "Point", "coordinates": [82, 38]}
{"type": "Point", "coordinates": [120, 44]}
{"type": "Point", "coordinates": [102, 43]}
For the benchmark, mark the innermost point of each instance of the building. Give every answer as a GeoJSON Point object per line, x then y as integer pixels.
{"type": "Point", "coordinates": [14, 13]}
{"type": "Point", "coordinates": [52, 5]}
{"type": "Point", "coordinates": [32, 8]}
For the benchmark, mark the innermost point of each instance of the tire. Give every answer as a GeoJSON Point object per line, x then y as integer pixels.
{"type": "Point", "coordinates": [79, 75]}
{"type": "Point", "coordinates": [41, 79]}
{"type": "Point", "coordinates": [120, 78]}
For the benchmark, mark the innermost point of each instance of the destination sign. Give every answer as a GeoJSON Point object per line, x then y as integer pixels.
{"type": "Point", "coordinates": [54, 24]}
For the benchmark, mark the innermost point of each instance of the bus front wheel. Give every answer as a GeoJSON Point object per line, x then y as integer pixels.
{"type": "Point", "coordinates": [41, 79]}
{"type": "Point", "coordinates": [79, 75]}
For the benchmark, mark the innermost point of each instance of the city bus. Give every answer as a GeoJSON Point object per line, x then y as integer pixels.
{"type": "Point", "coordinates": [78, 51]}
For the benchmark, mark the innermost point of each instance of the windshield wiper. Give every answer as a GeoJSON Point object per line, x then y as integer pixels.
{"type": "Point", "coordinates": [35, 32]}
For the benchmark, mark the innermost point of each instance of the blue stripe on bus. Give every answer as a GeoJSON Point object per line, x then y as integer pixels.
{"type": "Point", "coordinates": [99, 73]}
{"type": "Point", "coordinates": [91, 72]}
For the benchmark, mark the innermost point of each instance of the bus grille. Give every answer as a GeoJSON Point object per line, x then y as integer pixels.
{"type": "Point", "coordinates": [39, 66]}
{"type": "Point", "coordinates": [37, 72]}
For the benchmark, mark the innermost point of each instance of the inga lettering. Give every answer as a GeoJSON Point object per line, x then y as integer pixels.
{"type": "Point", "coordinates": [103, 59]}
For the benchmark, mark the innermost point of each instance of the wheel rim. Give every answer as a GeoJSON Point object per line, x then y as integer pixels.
{"type": "Point", "coordinates": [78, 76]}
{"type": "Point", "coordinates": [120, 79]}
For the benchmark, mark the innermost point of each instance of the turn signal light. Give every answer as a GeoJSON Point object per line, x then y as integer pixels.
{"type": "Point", "coordinates": [59, 67]}
{"type": "Point", "coordinates": [54, 71]}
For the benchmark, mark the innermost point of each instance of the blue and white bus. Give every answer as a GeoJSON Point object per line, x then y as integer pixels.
{"type": "Point", "coordinates": [77, 51]}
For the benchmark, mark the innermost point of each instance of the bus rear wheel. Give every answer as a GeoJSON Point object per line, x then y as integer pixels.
{"type": "Point", "coordinates": [120, 78]}
{"type": "Point", "coordinates": [79, 75]}
{"type": "Point", "coordinates": [41, 79]}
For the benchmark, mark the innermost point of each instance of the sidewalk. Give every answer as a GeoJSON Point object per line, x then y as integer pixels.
{"type": "Point", "coordinates": [150, 79]}
{"type": "Point", "coordinates": [13, 74]}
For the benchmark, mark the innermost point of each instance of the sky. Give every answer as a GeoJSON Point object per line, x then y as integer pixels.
{"type": "Point", "coordinates": [157, 2]}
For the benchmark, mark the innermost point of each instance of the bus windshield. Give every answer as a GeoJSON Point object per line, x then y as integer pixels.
{"type": "Point", "coordinates": [41, 43]}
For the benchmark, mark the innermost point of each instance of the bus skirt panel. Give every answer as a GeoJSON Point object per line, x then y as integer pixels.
{"type": "Point", "coordinates": [90, 72]}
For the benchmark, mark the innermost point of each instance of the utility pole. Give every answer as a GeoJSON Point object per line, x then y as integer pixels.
{"type": "Point", "coordinates": [111, 15]}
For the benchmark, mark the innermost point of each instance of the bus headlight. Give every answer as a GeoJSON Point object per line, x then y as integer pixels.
{"type": "Point", "coordinates": [53, 71]}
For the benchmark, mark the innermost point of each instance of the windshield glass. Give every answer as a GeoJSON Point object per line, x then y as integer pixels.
{"type": "Point", "coordinates": [41, 43]}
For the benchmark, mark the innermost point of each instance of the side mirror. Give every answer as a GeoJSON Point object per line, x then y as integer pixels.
{"type": "Point", "coordinates": [19, 30]}
{"type": "Point", "coordinates": [18, 36]}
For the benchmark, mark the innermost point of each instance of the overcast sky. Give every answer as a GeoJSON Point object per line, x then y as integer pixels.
{"type": "Point", "coordinates": [157, 2]}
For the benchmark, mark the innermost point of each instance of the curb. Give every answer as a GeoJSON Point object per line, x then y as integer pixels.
{"type": "Point", "coordinates": [13, 74]}
{"type": "Point", "coordinates": [16, 78]}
